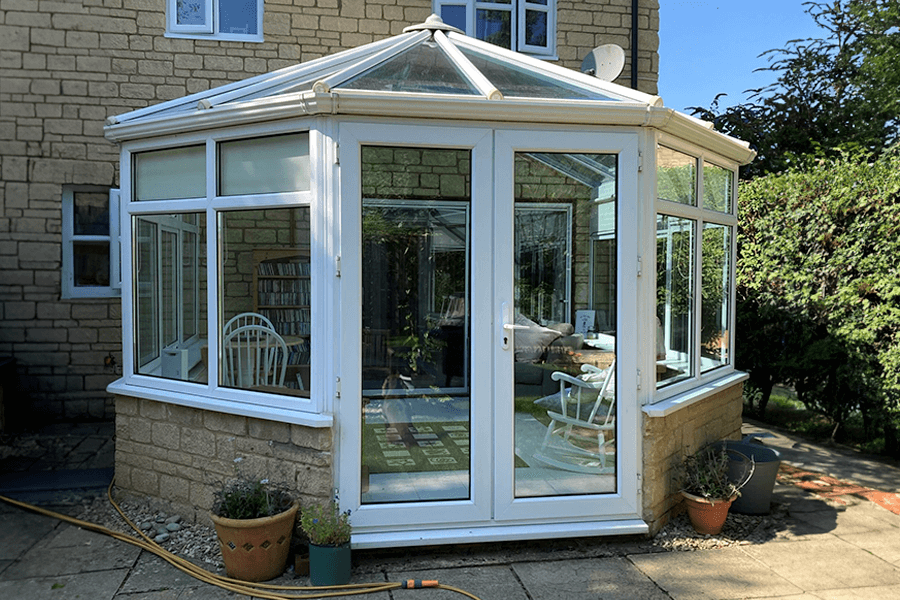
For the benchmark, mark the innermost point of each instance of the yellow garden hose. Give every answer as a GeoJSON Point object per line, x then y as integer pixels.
{"type": "Point", "coordinates": [258, 590]}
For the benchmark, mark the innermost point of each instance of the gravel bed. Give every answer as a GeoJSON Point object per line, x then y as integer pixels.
{"type": "Point", "coordinates": [197, 541]}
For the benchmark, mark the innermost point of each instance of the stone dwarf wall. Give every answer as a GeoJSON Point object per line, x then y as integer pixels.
{"type": "Point", "coordinates": [177, 456]}
{"type": "Point", "coordinates": [667, 440]}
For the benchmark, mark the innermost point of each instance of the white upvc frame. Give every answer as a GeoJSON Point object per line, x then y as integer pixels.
{"type": "Point", "coordinates": [210, 28]}
{"type": "Point", "coordinates": [412, 516]}
{"type": "Point", "coordinates": [517, 9]}
{"type": "Point", "coordinates": [623, 506]}
{"type": "Point", "coordinates": [211, 396]}
{"type": "Point", "coordinates": [700, 216]}
{"type": "Point", "coordinates": [69, 239]}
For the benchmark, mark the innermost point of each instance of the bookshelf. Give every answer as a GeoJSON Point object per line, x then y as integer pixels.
{"type": "Point", "coordinates": [282, 293]}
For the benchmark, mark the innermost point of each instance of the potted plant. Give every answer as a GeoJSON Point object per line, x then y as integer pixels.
{"type": "Point", "coordinates": [708, 492]}
{"type": "Point", "coordinates": [328, 530]}
{"type": "Point", "coordinates": [254, 521]}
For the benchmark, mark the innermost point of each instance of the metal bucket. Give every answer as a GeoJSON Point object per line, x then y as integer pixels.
{"type": "Point", "coordinates": [756, 495]}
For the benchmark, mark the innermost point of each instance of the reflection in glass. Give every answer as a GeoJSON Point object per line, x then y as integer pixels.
{"type": "Point", "coordinates": [676, 176]}
{"type": "Point", "coordinates": [90, 211]}
{"type": "Point", "coordinates": [674, 298]}
{"type": "Point", "coordinates": [169, 286]}
{"type": "Point", "coordinates": [564, 348]}
{"type": "Point", "coordinates": [715, 301]}
{"type": "Point", "coordinates": [424, 68]}
{"type": "Point", "coordinates": [515, 82]}
{"type": "Point", "coordinates": [90, 264]}
{"type": "Point", "coordinates": [536, 28]}
{"type": "Point", "coordinates": [717, 188]}
{"type": "Point", "coordinates": [494, 27]}
{"type": "Point", "coordinates": [265, 298]}
{"type": "Point", "coordinates": [415, 320]}
{"type": "Point", "coordinates": [238, 16]}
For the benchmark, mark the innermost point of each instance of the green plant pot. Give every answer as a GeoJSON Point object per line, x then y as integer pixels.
{"type": "Point", "coordinates": [329, 565]}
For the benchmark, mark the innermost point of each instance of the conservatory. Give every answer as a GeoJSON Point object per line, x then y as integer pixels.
{"type": "Point", "coordinates": [476, 295]}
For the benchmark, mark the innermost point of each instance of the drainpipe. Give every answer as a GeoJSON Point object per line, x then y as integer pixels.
{"type": "Point", "coordinates": [634, 44]}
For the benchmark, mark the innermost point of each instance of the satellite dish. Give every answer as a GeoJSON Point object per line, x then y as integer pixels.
{"type": "Point", "coordinates": [604, 62]}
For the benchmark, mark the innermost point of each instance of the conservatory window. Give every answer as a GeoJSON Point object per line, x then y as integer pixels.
{"type": "Point", "coordinates": [264, 165]}
{"type": "Point", "coordinates": [674, 298]}
{"type": "Point", "coordinates": [171, 174]}
{"type": "Point", "coordinates": [695, 266]}
{"type": "Point", "coordinates": [718, 187]}
{"type": "Point", "coordinates": [265, 300]}
{"type": "Point", "coordinates": [676, 175]}
{"type": "Point", "coordinates": [169, 284]}
{"type": "Point", "coordinates": [715, 301]}
{"type": "Point", "coordinates": [238, 20]}
{"type": "Point", "coordinates": [523, 25]}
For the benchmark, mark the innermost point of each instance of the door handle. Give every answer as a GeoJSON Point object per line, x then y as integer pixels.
{"type": "Point", "coordinates": [507, 325]}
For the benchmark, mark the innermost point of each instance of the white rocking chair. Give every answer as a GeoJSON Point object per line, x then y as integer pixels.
{"type": "Point", "coordinates": [578, 439]}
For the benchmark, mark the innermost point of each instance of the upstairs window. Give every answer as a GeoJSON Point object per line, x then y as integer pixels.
{"type": "Point", "coordinates": [527, 26]}
{"type": "Point", "coordinates": [230, 20]}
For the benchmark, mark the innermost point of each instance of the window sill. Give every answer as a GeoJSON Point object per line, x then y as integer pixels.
{"type": "Point", "coordinates": [231, 407]}
{"type": "Point", "coordinates": [216, 37]}
{"type": "Point", "coordinates": [675, 403]}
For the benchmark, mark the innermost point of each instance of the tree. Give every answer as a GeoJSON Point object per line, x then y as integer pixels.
{"type": "Point", "coordinates": [834, 92]}
{"type": "Point", "coordinates": [818, 286]}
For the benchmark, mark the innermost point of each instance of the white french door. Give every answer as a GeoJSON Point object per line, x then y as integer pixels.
{"type": "Point", "coordinates": [466, 253]}
{"type": "Point", "coordinates": [415, 408]}
{"type": "Point", "coordinates": [570, 459]}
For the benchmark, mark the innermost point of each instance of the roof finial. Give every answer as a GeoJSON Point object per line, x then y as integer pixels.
{"type": "Point", "coordinates": [433, 23]}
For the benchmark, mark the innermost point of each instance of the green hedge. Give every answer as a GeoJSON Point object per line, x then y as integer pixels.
{"type": "Point", "coordinates": [818, 287]}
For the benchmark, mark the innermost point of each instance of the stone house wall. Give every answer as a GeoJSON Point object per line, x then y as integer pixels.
{"type": "Point", "coordinates": [667, 440]}
{"type": "Point", "coordinates": [67, 66]}
{"type": "Point", "coordinates": [177, 457]}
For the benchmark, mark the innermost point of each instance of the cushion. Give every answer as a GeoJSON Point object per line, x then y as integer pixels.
{"type": "Point", "coordinates": [531, 343]}
{"type": "Point", "coordinates": [563, 328]}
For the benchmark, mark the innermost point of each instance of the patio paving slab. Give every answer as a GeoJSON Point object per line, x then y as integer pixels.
{"type": "Point", "coordinates": [22, 530]}
{"type": "Point", "coordinates": [46, 560]}
{"type": "Point", "coordinates": [875, 593]}
{"type": "Point", "coordinates": [608, 578]}
{"type": "Point", "coordinates": [724, 574]}
{"type": "Point", "coordinates": [98, 585]}
{"type": "Point", "coordinates": [485, 582]}
{"type": "Point", "coordinates": [883, 544]}
{"type": "Point", "coordinates": [825, 564]}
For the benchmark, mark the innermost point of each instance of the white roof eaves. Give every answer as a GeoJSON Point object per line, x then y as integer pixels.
{"type": "Point", "coordinates": [700, 133]}
{"type": "Point", "coordinates": [438, 106]}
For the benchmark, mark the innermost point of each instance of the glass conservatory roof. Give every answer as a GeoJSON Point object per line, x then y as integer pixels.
{"type": "Point", "coordinates": [428, 60]}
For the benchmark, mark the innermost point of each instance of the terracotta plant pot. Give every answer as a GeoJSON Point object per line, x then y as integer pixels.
{"type": "Point", "coordinates": [256, 549]}
{"type": "Point", "coordinates": [707, 516]}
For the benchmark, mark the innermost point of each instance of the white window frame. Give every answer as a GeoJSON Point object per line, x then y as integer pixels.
{"type": "Point", "coordinates": [700, 216]}
{"type": "Point", "coordinates": [210, 29]}
{"type": "Point", "coordinates": [517, 8]}
{"type": "Point", "coordinates": [69, 239]}
{"type": "Point", "coordinates": [167, 224]}
{"type": "Point", "coordinates": [313, 411]}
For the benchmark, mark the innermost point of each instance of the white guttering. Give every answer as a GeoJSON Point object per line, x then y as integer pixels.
{"type": "Point", "coordinates": [438, 106]}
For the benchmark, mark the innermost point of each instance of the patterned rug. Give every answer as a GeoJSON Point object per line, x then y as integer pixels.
{"type": "Point", "coordinates": [410, 448]}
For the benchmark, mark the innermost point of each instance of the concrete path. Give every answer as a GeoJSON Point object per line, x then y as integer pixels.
{"type": "Point", "coordinates": [836, 547]}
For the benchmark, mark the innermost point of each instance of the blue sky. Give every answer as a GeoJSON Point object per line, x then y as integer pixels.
{"type": "Point", "coordinates": [707, 48]}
